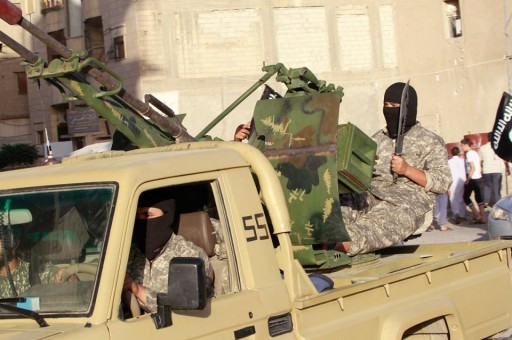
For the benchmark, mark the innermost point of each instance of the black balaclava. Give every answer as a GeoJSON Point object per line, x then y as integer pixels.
{"type": "Point", "coordinates": [152, 234]}
{"type": "Point", "coordinates": [392, 114]}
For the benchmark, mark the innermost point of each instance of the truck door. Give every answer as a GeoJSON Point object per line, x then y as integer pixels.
{"type": "Point", "coordinates": [250, 296]}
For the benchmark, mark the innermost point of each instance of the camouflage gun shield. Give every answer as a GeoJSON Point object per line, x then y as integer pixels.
{"type": "Point", "coordinates": [299, 138]}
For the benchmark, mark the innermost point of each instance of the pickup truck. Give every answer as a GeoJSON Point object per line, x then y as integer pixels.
{"type": "Point", "coordinates": [259, 212]}
{"type": "Point", "coordinates": [79, 215]}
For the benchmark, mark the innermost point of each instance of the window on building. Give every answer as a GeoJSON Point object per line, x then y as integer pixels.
{"type": "Point", "coordinates": [62, 132]}
{"type": "Point", "coordinates": [40, 137]}
{"type": "Point", "coordinates": [453, 18]}
{"type": "Point", "coordinates": [59, 36]}
{"type": "Point", "coordinates": [22, 82]}
{"type": "Point", "coordinates": [119, 48]}
{"type": "Point", "coordinates": [93, 35]}
{"type": "Point", "coordinates": [47, 4]}
{"type": "Point", "coordinates": [78, 142]}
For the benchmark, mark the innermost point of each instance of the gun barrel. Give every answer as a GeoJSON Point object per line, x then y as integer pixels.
{"type": "Point", "coordinates": [10, 13]}
{"type": "Point", "coordinates": [271, 70]}
{"type": "Point", "coordinates": [18, 48]}
{"type": "Point", "coordinates": [13, 15]}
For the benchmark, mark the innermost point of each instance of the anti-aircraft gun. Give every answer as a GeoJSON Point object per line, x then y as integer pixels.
{"type": "Point", "coordinates": [315, 158]}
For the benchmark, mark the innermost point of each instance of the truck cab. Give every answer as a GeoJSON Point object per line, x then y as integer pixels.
{"type": "Point", "coordinates": [82, 217]}
{"type": "Point", "coordinates": [73, 223]}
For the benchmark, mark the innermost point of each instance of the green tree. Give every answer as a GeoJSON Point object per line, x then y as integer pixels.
{"type": "Point", "coordinates": [16, 155]}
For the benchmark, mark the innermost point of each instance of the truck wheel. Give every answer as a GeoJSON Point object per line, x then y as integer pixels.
{"type": "Point", "coordinates": [435, 329]}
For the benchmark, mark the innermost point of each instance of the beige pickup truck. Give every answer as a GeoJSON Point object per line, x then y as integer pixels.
{"type": "Point", "coordinates": [79, 216]}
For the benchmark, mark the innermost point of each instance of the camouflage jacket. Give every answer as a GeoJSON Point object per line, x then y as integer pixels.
{"type": "Point", "coordinates": [153, 274]}
{"type": "Point", "coordinates": [20, 278]}
{"type": "Point", "coordinates": [424, 150]}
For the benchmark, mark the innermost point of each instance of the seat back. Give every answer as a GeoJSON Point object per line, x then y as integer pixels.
{"type": "Point", "coordinates": [197, 228]}
{"type": "Point", "coordinates": [65, 242]}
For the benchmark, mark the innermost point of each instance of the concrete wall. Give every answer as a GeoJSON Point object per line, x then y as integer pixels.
{"type": "Point", "coordinates": [199, 56]}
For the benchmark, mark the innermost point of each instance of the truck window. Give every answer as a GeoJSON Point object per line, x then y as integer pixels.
{"type": "Point", "coordinates": [53, 239]}
{"type": "Point", "coordinates": [196, 198]}
{"type": "Point", "coordinates": [195, 218]}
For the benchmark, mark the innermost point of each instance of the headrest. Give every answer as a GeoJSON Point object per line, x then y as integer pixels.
{"type": "Point", "coordinates": [66, 241]}
{"type": "Point", "coordinates": [197, 228]}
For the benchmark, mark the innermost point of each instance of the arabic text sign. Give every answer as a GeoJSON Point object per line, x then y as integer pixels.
{"type": "Point", "coordinates": [82, 120]}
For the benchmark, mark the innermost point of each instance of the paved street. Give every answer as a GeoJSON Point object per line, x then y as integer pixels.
{"type": "Point", "coordinates": [464, 232]}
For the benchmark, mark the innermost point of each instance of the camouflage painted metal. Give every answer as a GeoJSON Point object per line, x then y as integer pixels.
{"type": "Point", "coordinates": [107, 104]}
{"type": "Point", "coordinates": [299, 81]}
{"type": "Point", "coordinates": [316, 160]}
{"type": "Point", "coordinates": [356, 157]}
{"type": "Point", "coordinates": [299, 134]}
{"type": "Point", "coordinates": [315, 260]}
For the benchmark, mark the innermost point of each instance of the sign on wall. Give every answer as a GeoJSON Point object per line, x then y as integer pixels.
{"type": "Point", "coordinates": [82, 120]}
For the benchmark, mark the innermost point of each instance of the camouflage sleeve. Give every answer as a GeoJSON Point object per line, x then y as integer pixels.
{"type": "Point", "coordinates": [136, 264]}
{"type": "Point", "coordinates": [436, 169]}
{"type": "Point", "coordinates": [220, 246]}
{"type": "Point", "coordinates": [157, 279]}
{"type": "Point", "coordinates": [423, 149]}
{"type": "Point", "coordinates": [150, 305]}
{"type": "Point", "coordinates": [185, 248]}
{"type": "Point", "coordinates": [20, 278]}
{"type": "Point", "coordinates": [47, 274]}
{"type": "Point", "coordinates": [210, 276]}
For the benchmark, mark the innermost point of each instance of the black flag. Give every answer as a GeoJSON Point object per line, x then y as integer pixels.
{"type": "Point", "coordinates": [502, 131]}
{"type": "Point", "coordinates": [269, 93]}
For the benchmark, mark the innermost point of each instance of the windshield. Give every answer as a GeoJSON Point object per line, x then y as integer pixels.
{"type": "Point", "coordinates": [51, 242]}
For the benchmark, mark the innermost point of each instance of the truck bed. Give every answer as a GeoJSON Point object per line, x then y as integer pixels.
{"type": "Point", "coordinates": [414, 284]}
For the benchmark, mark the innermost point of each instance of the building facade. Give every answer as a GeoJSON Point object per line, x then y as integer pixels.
{"type": "Point", "coordinates": [14, 109]}
{"type": "Point", "coordinates": [200, 56]}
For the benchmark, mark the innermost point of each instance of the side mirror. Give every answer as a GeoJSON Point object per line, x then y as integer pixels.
{"type": "Point", "coordinates": [186, 289]}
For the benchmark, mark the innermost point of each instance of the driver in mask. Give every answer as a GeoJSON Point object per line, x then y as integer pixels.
{"type": "Point", "coordinates": [148, 266]}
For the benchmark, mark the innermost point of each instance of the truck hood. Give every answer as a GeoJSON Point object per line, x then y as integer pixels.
{"type": "Point", "coordinates": [13, 329]}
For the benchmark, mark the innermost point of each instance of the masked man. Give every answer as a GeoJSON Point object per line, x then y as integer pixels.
{"type": "Point", "coordinates": [391, 210]}
{"type": "Point", "coordinates": [157, 244]}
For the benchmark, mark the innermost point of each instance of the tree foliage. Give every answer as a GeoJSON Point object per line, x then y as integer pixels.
{"type": "Point", "coordinates": [15, 155]}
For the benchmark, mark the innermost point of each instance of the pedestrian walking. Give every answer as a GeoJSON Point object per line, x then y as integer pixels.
{"type": "Point", "coordinates": [473, 183]}
{"type": "Point", "coordinates": [492, 172]}
{"type": "Point", "coordinates": [456, 190]}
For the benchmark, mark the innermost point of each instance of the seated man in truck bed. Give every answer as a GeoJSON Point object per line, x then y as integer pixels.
{"type": "Point", "coordinates": [393, 210]}
{"type": "Point", "coordinates": [157, 244]}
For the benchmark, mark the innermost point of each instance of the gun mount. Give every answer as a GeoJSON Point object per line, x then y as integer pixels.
{"type": "Point", "coordinates": [316, 158]}
{"type": "Point", "coordinates": [99, 87]}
